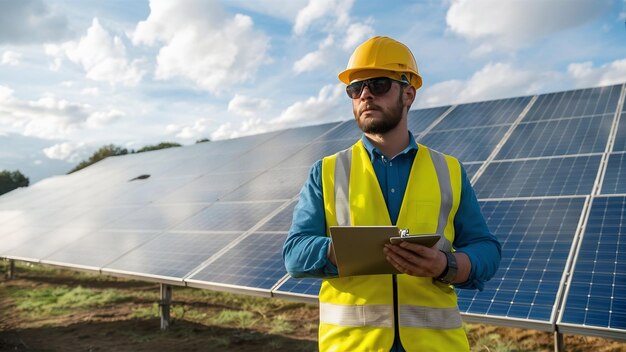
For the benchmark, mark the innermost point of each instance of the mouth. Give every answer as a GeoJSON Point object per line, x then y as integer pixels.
{"type": "Point", "coordinates": [368, 108]}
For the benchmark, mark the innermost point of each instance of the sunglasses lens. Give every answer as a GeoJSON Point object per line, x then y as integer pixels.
{"type": "Point", "coordinates": [354, 89]}
{"type": "Point", "coordinates": [376, 86]}
{"type": "Point", "coordinates": [379, 86]}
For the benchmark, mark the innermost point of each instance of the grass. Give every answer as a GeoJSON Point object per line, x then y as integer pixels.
{"type": "Point", "coordinates": [61, 300]}
{"type": "Point", "coordinates": [47, 294]}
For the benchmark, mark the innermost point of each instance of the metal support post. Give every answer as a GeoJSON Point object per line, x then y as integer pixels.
{"type": "Point", "coordinates": [10, 269]}
{"type": "Point", "coordinates": [559, 343]}
{"type": "Point", "coordinates": [166, 300]}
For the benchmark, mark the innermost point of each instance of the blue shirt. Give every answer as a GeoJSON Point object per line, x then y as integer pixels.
{"type": "Point", "coordinates": [306, 246]}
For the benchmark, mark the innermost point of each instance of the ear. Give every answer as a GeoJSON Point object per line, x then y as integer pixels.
{"type": "Point", "coordinates": [409, 95]}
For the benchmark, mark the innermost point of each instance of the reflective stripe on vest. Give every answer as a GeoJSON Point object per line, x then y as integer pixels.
{"type": "Point", "coordinates": [342, 203]}
{"type": "Point", "coordinates": [381, 315]}
{"type": "Point", "coordinates": [342, 179]}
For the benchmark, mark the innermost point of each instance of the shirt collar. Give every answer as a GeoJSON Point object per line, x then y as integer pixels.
{"type": "Point", "coordinates": [374, 153]}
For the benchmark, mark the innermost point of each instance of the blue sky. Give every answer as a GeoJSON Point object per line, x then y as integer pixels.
{"type": "Point", "coordinates": [76, 75]}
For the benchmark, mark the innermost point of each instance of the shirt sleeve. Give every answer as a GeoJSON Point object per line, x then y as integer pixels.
{"type": "Point", "coordinates": [472, 237]}
{"type": "Point", "coordinates": [306, 247]}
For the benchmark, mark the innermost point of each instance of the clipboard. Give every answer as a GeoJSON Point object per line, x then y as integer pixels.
{"type": "Point", "coordinates": [359, 249]}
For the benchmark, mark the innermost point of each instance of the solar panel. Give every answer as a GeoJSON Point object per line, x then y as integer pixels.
{"type": "Point", "coordinates": [538, 177]}
{"type": "Point", "coordinates": [280, 221]}
{"type": "Point", "coordinates": [225, 216]}
{"type": "Point", "coordinates": [208, 188]}
{"type": "Point", "coordinates": [250, 264]}
{"type": "Point", "coordinates": [620, 138]}
{"type": "Point", "coordinates": [472, 144]}
{"type": "Point", "coordinates": [536, 237]}
{"type": "Point", "coordinates": [419, 120]}
{"type": "Point", "coordinates": [615, 175]}
{"type": "Point", "coordinates": [16, 237]}
{"type": "Point", "coordinates": [558, 137]}
{"type": "Point", "coordinates": [97, 248]}
{"type": "Point", "coordinates": [314, 152]}
{"type": "Point", "coordinates": [345, 130]}
{"type": "Point", "coordinates": [582, 102]}
{"type": "Point", "coordinates": [157, 217]}
{"type": "Point", "coordinates": [171, 255]}
{"type": "Point", "coordinates": [215, 214]}
{"type": "Point", "coordinates": [46, 243]}
{"type": "Point", "coordinates": [487, 113]}
{"type": "Point", "coordinates": [300, 135]}
{"type": "Point", "coordinates": [470, 169]}
{"type": "Point", "coordinates": [596, 296]}
{"type": "Point", "coordinates": [307, 288]}
{"type": "Point", "coordinates": [271, 185]}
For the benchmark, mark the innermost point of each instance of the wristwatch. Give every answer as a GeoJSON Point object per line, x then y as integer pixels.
{"type": "Point", "coordinates": [449, 272]}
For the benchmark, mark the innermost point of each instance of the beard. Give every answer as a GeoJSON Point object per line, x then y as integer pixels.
{"type": "Point", "coordinates": [390, 118]}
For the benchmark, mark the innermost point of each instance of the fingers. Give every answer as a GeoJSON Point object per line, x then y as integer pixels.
{"type": "Point", "coordinates": [415, 259]}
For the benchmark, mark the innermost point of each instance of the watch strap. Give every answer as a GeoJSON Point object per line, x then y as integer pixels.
{"type": "Point", "coordinates": [448, 275]}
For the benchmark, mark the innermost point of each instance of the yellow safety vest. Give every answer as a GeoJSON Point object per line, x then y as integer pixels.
{"type": "Point", "coordinates": [357, 312]}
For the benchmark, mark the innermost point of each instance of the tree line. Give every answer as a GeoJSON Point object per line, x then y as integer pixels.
{"type": "Point", "coordinates": [10, 180]}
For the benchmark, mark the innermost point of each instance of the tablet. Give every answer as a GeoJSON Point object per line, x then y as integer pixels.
{"type": "Point", "coordinates": [424, 240]}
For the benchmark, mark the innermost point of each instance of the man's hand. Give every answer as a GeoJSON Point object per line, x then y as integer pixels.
{"type": "Point", "coordinates": [415, 259]}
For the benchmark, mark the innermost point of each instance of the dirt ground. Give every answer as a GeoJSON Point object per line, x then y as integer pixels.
{"type": "Point", "coordinates": [116, 327]}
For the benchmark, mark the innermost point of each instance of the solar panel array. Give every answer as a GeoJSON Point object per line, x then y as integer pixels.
{"type": "Point", "coordinates": [548, 171]}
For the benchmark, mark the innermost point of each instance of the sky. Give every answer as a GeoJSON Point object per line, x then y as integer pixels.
{"type": "Point", "coordinates": [77, 75]}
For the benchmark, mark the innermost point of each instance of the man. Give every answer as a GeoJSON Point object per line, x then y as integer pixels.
{"type": "Point", "coordinates": [386, 178]}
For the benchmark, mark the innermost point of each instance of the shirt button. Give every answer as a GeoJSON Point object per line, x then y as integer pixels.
{"type": "Point", "coordinates": [390, 163]}
{"type": "Point", "coordinates": [393, 190]}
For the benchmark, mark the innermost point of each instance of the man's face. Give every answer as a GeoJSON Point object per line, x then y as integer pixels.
{"type": "Point", "coordinates": [379, 114]}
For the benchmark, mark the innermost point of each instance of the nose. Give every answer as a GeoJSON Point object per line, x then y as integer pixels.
{"type": "Point", "coordinates": [365, 93]}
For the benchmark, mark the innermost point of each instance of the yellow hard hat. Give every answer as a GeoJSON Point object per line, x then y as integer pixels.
{"type": "Point", "coordinates": [381, 56]}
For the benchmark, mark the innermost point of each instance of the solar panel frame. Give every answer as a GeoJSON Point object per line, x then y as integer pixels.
{"type": "Point", "coordinates": [302, 290]}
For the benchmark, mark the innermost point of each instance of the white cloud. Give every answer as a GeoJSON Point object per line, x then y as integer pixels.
{"type": "Point", "coordinates": [10, 58]}
{"type": "Point", "coordinates": [48, 117]}
{"type": "Point", "coordinates": [356, 34]}
{"type": "Point", "coordinates": [67, 151]}
{"type": "Point", "coordinates": [93, 91]}
{"type": "Point", "coordinates": [30, 21]}
{"type": "Point", "coordinates": [325, 107]}
{"type": "Point", "coordinates": [585, 75]}
{"type": "Point", "coordinates": [196, 131]}
{"type": "Point", "coordinates": [102, 56]}
{"type": "Point", "coordinates": [493, 81]}
{"type": "Point", "coordinates": [329, 12]}
{"type": "Point", "coordinates": [513, 24]}
{"type": "Point", "coordinates": [248, 106]}
{"type": "Point", "coordinates": [332, 19]}
{"type": "Point", "coordinates": [315, 59]}
{"type": "Point", "coordinates": [248, 127]}
{"type": "Point", "coordinates": [103, 118]}
{"type": "Point", "coordinates": [202, 43]}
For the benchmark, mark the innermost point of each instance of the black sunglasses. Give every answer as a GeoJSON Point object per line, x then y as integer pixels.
{"type": "Point", "coordinates": [377, 86]}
